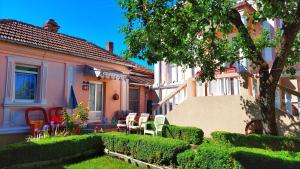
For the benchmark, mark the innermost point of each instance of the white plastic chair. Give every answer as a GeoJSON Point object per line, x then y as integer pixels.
{"type": "Point", "coordinates": [126, 123]}
{"type": "Point", "coordinates": [159, 122]}
{"type": "Point", "coordinates": [142, 123]}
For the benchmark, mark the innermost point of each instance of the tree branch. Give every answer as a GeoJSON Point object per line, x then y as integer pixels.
{"type": "Point", "coordinates": [290, 31]}
{"type": "Point", "coordinates": [235, 19]}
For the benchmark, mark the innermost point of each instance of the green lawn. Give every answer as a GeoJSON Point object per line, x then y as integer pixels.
{"type": "Point", "coordinates": [103, 162]}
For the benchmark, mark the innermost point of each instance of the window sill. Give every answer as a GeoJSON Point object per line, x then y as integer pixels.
{"type": "Point", "coordinates": [24, 104]}
{"type": "Point", "coordinates": [14, 130]}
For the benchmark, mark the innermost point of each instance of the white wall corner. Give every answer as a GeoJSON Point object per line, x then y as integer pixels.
{"type": "Point", "coordinates": [9, 81]}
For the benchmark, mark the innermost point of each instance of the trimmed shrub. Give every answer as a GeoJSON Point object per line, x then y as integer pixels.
{"type": "Point", "coordinates": [211, 155]}
{"type": "Point", "coordinates": [145, 148]}
{"type": "Point", "coordinates": [275, 143]}
{"type": "Point", "coordinates": [253, 158]}
{"type": "Point", "coordinates": [192, 135]}
{"type": "Point", "coordinates": [52, 148]}
{"type": "Point", "coordinates": [187, 160]}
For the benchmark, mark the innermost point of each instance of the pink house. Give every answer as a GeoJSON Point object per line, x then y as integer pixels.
{"type": "Point", "coordinates": [38, 66]}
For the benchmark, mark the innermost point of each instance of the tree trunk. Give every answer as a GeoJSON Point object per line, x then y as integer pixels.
{"type": "Point", "coordinates": [267, 100]}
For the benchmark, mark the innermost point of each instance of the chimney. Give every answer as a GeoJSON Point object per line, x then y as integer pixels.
{"type": "Point", "coordinates": [51, 26]}
{"type": "Point", "coordinates": [110, 47]}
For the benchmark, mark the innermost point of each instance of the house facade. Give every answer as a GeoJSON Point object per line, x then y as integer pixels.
{"type": "Point", "coordinates": [39, 66]}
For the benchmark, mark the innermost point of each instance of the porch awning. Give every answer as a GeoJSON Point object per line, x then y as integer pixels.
{"type": "Point", "coordinates": [104, 73]}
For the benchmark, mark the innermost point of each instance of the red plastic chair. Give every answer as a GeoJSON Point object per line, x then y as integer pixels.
{"type": "Point", "coordinates": [36, 125]}
{"type": "Point", "coordinates": [56, 120]}
{"type": "Point", "coordinates": [57, 117]}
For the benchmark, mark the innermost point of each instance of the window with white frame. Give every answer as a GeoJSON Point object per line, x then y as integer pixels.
{"type": "Point", "coordinates": [26, 83]}
{"type": "Point", "coordinates": [96, 97]}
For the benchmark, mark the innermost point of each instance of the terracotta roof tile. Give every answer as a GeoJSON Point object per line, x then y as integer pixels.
{"type": "Point", "coordinates": [143, 80]}
{"type": "Point", "coordinates": [37, 37]}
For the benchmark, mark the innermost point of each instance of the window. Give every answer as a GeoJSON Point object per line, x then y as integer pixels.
{"type": "Point", "coordinates": [134, 97]}
{"type": "Point", "coordinates": [231, 86]}
{"type": "Point", "coordinates": [174, 73]}
{"type": "Point", "coordinates": [96, 97]}
{"type": "Point", "coordinates": [26, 83]}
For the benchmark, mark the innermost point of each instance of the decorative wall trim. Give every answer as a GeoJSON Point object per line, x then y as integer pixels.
{"type": "Point", "coordinates": [6, 117]}
{"type": "Point", "coordinates": [24, 105]}
{"type": "Point", "coordinates": [9, 99]}
{"type": "Point", "coordinates": [44, 76]}
{"type": "Point", "coordinates": [10, 78]}
{"type": "Point", "coordinates": [124, 94]}
{"type": "Point", "coordinates": [14, 130]}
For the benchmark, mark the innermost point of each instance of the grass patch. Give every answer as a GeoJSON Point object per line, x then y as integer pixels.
{"type": "Point", "coordinates": [103, 162]}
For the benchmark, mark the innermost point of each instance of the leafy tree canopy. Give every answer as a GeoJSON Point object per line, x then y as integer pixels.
{"type": "Point", "coordinates": [199, 33]}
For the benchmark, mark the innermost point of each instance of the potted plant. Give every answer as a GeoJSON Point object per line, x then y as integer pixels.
{"type": "Point", "coordinates": [77, 119]}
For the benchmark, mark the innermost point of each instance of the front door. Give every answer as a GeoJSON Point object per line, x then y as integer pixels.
{"type": "Point", "coordinates": [96, 102]}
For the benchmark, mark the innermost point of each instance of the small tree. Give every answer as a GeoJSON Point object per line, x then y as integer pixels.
{"type": "Point", "coordinates": [199, 33]}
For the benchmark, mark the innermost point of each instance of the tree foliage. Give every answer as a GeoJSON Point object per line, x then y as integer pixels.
{"type": "Point", "coordinates": [209, 33]}
{"type": "Point", "coordinates": [199, 33]}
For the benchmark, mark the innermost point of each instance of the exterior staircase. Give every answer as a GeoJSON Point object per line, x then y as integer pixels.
{"type": "Point", "coordinates": [180, 94]}
{"type": "Point", "coordinates": [228, 112]}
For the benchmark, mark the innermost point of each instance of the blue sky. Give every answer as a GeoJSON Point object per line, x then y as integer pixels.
{"type": "Point", "coordinates": [97, 21]}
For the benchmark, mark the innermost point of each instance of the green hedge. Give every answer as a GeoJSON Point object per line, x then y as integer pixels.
{"type": "Point", "coordinates": [187, 160]}
{"type": "Point", "coordinates": [253, 158]}
{"type": "Point", "coordinates": [192, 135]}
{"type": "Point", "coordinates": [150, 149]}
{"type": "Point", "coordinates": [212, 156]}
{"type": "Point", "coordinates": [275, 143]}
{"type": "Point", "coordinates": [46, 149]}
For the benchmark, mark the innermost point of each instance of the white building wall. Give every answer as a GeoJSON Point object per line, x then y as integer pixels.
{"type": "Point", "coordinates": [156, 75]}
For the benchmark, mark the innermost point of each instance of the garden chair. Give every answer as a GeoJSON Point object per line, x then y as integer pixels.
{"type": "Point", "coordinates": [39, 122]}
{"type": "Point", "coordinates": [123, 124]}
{"type": "Point", "coordinates": [141, 125]}
{"type": "Point", "coordinates": [56, 120]}
{"type": "Point", "coordinates": [159, 122]}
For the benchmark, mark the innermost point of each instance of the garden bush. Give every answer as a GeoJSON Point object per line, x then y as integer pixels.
{"type": "Point", "coordinates": [253, 158]}
{"type": "Point", "coordinates": [192, 135]}
{"type": "Point", "coordinates": [150, 149]}
{"type": "Point", "coordinates": [53, 148]}
{"type": "Point", "coordinates": [211, 155]}
{"type": "Point", "coordinates": [275, 143]}
{"type": "Point", "coordinates": [187, 159]}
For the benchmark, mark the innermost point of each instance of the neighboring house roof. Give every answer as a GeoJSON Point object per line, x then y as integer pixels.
{"type": "Point", "coordinates": [141, 80]}
{"type": "Point", "coordinates": [141, 76]}
{"type": "Point", "coordinates": [29, 35]}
